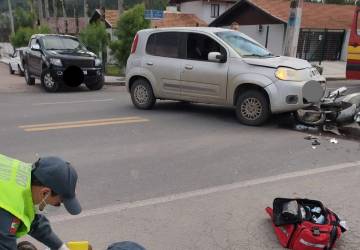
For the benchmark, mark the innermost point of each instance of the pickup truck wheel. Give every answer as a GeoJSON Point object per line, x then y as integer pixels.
{"type": "Point", "coordinates": [29, 80]}
{"type": "Point", "coordinates": [48, 82]}
{"type": "Point", "coordinates": [96, 86]}
{"type": "Point", "coordinates": [252, 108]}
{"type": "Point", "coordinates": [11, 71]}
{"type": "Point", "coordinates": [142, 94]}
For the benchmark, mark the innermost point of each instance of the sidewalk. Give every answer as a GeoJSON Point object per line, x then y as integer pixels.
{"type": "Point", "coordinates": [230, 217]}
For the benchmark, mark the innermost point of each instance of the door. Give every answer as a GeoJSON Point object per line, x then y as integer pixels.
{"type": "Point", "coordinates": [34, 60]}
{"type": "Point", "coordinates": [163, 59]}
{"type": "Point", "coordinates": [353, 60]}
{"type": "Point", "coordinates": [203, 80]}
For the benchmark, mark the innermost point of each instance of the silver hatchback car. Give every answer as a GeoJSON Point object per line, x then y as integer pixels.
{"type": "Point", "coordinates": [218, 66]}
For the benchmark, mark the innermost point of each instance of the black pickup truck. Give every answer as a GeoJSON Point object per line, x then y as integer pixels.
{"type": "Point", "coordinates": [59, 60]}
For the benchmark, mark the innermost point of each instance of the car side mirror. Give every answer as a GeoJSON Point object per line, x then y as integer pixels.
{"type": "Point", "coordinates": [11, 55]}
{"type": "Point", "coordinates": [35, 47]}
{"type": "Point", "coordinates": [216, 57]}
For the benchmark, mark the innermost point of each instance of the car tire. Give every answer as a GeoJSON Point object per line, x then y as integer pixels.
{"type": "Point", "coordinates": [252, 108]}
{"type": "Point", "coordinates": [29, 80]}
{"type": "Point", "coordinates": [21, 72]}
{"type": "Point", "coordinates": [48, 82]}
{"type": "Point", "coordinates": [142, 94]}
{"type": "Point", "coordinates": [11, 71]}
{"type": "Point", "coordinates": [97, 86]}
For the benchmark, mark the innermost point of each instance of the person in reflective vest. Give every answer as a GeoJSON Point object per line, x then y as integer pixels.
{"type": "Point", "coordinates": [27, 191]}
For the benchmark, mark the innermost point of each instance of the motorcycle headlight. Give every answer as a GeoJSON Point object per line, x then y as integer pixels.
{"type": "Point", "coordinates": [56, 62]}
{"type": "Point", "coordinates": [98, 62]}
{"type": "Point", "coordinates": [288, 74]}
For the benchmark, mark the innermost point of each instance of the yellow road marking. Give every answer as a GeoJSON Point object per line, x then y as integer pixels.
{"type": "Point", "coordinates": [80, 124]}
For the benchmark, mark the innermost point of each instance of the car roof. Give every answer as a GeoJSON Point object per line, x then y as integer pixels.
{"type": "Point", "coordinates": [196, 29]}
{"type": "Point", "coordinates": [59, 35]}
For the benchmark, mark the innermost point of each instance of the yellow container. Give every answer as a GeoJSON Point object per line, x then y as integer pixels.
{"type": "Point", "coordinates": [78, 245]}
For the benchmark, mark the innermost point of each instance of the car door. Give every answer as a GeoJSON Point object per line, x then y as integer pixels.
{"type": "Point", "coordinates": [13, 60]}
{"type": "Point", "coordinates": [203, 80]}
{"type": "Point", "coordinates": [34, 59]}
{"type": "Point", "coordinates": [163, 59]}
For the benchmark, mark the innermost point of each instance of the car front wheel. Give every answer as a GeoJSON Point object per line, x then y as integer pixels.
{"type": "Point", "coordinates": [48, 82]}
{"type": "Point", "coordinates": [142, 94]}
{"type": "Point", "coordinates": [11, 71]}
{"type": "Point", "coordinates": [252, 108]}
{"type": "Point", "coordinates": [29, 80]}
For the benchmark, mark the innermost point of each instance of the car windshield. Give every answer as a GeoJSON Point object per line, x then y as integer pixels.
{"type": "Point", "coordinates": [61, 43]}
{"type": "Point", "coordinates": [242, 45]}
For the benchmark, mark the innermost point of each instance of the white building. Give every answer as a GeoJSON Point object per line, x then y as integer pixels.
{"type": "Point", "coordinates": [207, 10]}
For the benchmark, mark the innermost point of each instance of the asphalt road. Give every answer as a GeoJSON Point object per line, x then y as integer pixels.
{"type": "Point", "coordinates": [125, 155]}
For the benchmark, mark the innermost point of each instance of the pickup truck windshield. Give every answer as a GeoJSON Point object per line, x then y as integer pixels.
{"type": "Point", "coordinates": [61, 43]}
{"type": "Point", "coordinates": [243, 46]}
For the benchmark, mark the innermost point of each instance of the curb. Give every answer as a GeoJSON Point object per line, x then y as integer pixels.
{"type": "Point", "coordinates": [335, 78]}
{"type": "Point", "coordinates": [119, 83]}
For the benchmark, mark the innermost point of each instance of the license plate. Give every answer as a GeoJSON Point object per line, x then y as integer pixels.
{"type": "Point", "coordinates": [85, 72]}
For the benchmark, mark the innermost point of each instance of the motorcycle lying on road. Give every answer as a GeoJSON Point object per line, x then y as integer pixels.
{"type": "Point", "coordinates": [336, 109]}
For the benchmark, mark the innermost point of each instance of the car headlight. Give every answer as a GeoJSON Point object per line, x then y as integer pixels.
{"type": "Point", "coordinates": [55, 61]}
{"type": "Point", "coordinates": [97, 62]}
{"type": "Point", "coordinates": [288, 74]}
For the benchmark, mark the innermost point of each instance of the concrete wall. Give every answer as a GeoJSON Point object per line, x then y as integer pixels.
{"type": "Point", "coordinates": [202, 9]}
{"type": "Point", "coordinates": [6, 49]}
{"type": "Point", "coordinates": [275, 38]}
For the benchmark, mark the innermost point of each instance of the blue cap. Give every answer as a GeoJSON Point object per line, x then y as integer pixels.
{"type": "Point", "coordinates": [125, 245]}
{"type": "Point", "coordinates": [61, 177]}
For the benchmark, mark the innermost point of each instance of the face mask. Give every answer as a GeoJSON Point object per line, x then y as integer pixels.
{"type": "Point", "coordinates": [46, 208]}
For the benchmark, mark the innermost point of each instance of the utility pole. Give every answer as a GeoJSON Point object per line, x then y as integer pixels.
{"type": "Point", "coordinates": [293, 28]}
{"type": "Point", "coordinates": [86, 11]}
{"type": "Point", "coordinates": [11, 17]}
{"type": "Point", "coordinates": [120, 6]}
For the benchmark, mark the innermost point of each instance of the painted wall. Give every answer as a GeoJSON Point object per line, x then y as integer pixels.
{"type": "Point", "coordinates": [202, 9]}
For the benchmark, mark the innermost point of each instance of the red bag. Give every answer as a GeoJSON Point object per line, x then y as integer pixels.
{"type": "Point", "coordinates": [298, 233]}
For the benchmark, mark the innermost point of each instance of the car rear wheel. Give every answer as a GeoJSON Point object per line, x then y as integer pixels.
{"type": "Point", "coordinates": [142, 94]}
{"type": "Point", "coordinates": [11, 71]}
{"type": "Point", "coordinates": [252, 108]}
{"type": "Point", "coordinates": [29, 80]}
{"type": "Point", "coordinates": [48, 82]}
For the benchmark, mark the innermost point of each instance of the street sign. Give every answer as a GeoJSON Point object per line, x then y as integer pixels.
{"type": "Point", "coordinates": [154, 14]}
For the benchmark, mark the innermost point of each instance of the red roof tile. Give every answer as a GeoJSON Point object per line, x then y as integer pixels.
{"type": "Point", "coordinates": [331, 16]}
{"type": "Point", "coordinates": [178, 19]}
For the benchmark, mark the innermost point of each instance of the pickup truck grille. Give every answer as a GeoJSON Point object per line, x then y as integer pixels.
{"type": "Point", "coordinates": [80, 63]}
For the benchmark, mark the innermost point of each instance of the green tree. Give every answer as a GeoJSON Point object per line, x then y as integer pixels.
{"type": "Point", "coordinates": [22, 36]}
{"type": "Point", "coordinates": [130, 22]}
{"type": "Point", "coordinates": [95, 37]}
{"type": "Point", "coordinates": [23, 18]}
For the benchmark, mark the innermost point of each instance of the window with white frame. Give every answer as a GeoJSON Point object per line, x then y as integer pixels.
{"type": "Point", "coordinates": [215, 9]}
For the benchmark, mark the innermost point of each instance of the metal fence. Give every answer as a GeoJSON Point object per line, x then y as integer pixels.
{"type": "Point", "coordinates": [320, 45]}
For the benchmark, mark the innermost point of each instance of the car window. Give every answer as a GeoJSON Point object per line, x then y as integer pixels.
{"type": "Point", "coordinates": [61, 43]}
{"type": "Point", "coordinates": [242, 45]}
{"type": "Point", "coordinates": [165, 44]}
{"type": "Point", "coordinates": [198, 46]}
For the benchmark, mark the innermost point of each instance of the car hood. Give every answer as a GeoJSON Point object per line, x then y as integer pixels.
{"type": "Point", "coordinates": [71, 53]}
{"type": "Point", "coordinates": [275, 62]}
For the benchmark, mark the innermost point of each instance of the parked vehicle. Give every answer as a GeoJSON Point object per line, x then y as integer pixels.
{"type": "Point", "coordinates": [353, 59]}
{"type": "Point", "coordinates": [15, 64]}
{"type": "Point", "coordinates": [218, 66]}
{"type": "Point", "coordinates": [59, 60]}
